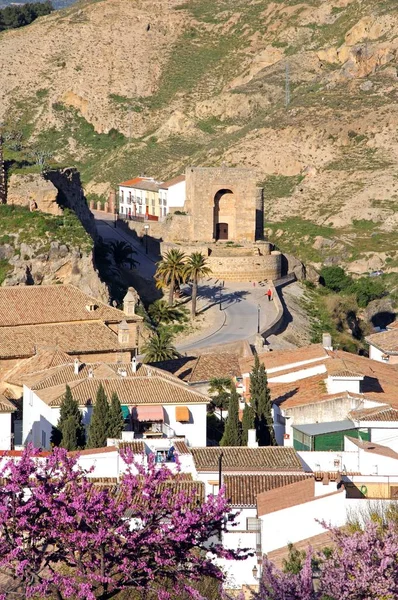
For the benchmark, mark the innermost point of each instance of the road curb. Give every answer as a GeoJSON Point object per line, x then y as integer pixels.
{"type": "Point", "coordinates": [195, 341]}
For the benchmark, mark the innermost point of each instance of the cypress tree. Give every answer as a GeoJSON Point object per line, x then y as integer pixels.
{"type": "Point", "coordinates": [262, 404]}
{"type": "Point", "coordinates": [247, 422]}
{"type": "Point", "coordinates": [232, 432]}
{"type": "Point", "coordinates": [69, 413]}
{"type": "Point", "coordinates": [116, 419]}
{"type": "Point", "coordinates": [98, 429]}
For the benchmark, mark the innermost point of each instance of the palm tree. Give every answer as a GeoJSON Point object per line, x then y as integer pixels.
{"type": "Point", "coordinates": [220, 392]}
{"type": "Point", "coordinates": [121, 252]}
{"type": "Point", "coordinates": [170, 271]}
{"type": "Point", "coordinates": [160, 347]}
{"type": "Point", "coordinates": [195, 268]}
{"type": "Point", "coordinates": [161, 312]}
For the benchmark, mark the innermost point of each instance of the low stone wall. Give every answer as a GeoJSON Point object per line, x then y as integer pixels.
{"type": "Point", "coordinates": [247, 268]}
{"type": "Point", "coordinates": [277, 321]}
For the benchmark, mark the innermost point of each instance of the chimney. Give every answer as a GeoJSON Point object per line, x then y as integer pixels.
{"type": "Point", "coordinates": [129, 302]}
{"type": "Point", "coordinates": [251, 439]}
{"type": "Point", "coordinates": [134, 364]}
{"type": "Point", "coordinates": [76, 366]}
{"type": "Point", "coordinates": [90, 373]}
{"type": "Point", "coordinates": [327, 341]}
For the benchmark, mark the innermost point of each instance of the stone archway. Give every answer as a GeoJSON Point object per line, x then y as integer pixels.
{"type": "Point", "coordinates": [224, 222]}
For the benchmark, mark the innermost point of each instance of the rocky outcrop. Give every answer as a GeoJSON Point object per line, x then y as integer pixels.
{"type": "Point", "coordinates": [33, 192]}
{"type": "Point", "coordinates": [32, 264]}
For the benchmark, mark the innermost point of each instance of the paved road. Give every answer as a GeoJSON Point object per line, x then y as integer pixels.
{"type": "Point", "coordinates": [238, 319]}
{"type": "Point", "coordinates": [107, 230]}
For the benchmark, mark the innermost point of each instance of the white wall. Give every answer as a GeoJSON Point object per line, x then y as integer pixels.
{"type": "Point", "coordinates": [368, 460]}
{"type": "Point", "coordinates": [384, 433]}
{"type": "Point", "coordinates": [38, 419]}
{"type": "Point", "coordinates": [176, 195]}
{"type": "Point", "coordinates": [195, 430]}
{"type": "Point", "coordinates": [335, 385]}
{"type": "Point", "coordinates": [297, 375]}
{"type": "Point", "coordinates": [5, 431]}
{"type": "Point", "coordinates": [239, 573]}
{"type": "Point", "coordinates": [376, 354]}
{"type": "Point", "coordinates": [297, 523]}
{"type": "Point", "coordinates": [325, 461]}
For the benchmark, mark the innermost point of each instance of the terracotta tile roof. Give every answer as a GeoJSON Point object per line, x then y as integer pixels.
{"type": "Point", "coordinates": [171, 182]}
{"type": "Point", "coordinates": [382, 413]}
{"type": "Point", "coordinates": [204, 367]}
{"type": "Point", "coordinates": [88, 451]}
{"type": "Point", "coordinates": [393, 325]}
{"type": "Point", "coordinates": [132, 391]}
{"type": "Point", "coordinates": [72, 338]}
{"type": "Point", "coordinates": [136, 446]}
{"type": "Point", "coordinates": [181, 447]}
{"type": "Point", "coordinates": [317, 542]}
{"type": "Point", "coordinates": [285, 497]}
{"type": "Point", "coordinates": [386, 341]}
{"type": "Point", "coordinates": [235, 459]}
{"type": "Point", "coordinates": [5, 405]}
{"type": "Point", "coordinates": [215, 365]}
{"type": "Point", "coordinates": [66, 373]}
{"type": "Point", "coordinates": [44, 359]}
{"type": "Point", "coordinates": [340, 368]}
{"type": "Point", "coordinates": [37, 304]}
{"type": "Point", "coordinates": [178, 485]}
{"type": "Point", "coordinates": [130, 182]}
{"type": "Point", "coordinates": [284, 358]}
{"type": "Point", "coordinates": [242, 490]}
{"type": "Point", "coordinates": [379, 383]}
{"type": "Point", "coordinates": [373, 448]}
{"type": "Point", "coordinates": [179, 367]}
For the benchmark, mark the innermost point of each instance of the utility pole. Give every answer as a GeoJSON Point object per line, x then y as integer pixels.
{"type": "Point", "coordinates": [3, 189]}
{"type": "Point", "coordinates": [287, 85]}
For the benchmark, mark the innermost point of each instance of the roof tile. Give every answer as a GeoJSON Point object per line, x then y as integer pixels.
{"type": "Point", "coordinates": [270, 458]}
{"type": "Point", "coordinates": [242, 490]}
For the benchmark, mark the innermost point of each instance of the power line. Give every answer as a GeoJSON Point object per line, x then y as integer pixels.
{"type": "Point", "coordinates": [287, 85]}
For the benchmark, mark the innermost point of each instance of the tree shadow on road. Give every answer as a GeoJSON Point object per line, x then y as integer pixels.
{"type": "Point", "coordinates": [214, 296]}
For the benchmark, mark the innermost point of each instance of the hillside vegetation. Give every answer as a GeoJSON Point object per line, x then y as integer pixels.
{"type": "Point", "coordinates": [303, 91]}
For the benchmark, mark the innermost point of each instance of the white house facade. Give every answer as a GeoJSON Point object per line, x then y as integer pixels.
{"type": "Point", "coordinates": [172, 195]}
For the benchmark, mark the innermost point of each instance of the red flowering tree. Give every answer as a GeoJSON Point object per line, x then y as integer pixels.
{"type": "Point", "coordinates": [62, 536]}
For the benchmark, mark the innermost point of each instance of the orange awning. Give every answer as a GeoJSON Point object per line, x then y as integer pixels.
{"type": "Point", "coordinates": [149, 413]}
{"type": "Point", "coordinates": [182, 414]}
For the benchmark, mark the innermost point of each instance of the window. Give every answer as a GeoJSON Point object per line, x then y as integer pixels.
{"type": "Point", "coordinates": [43, 439]}
{"type": "Point", "coordinates": [253, 524]}
{"type": "Point", "coordinates": [121, 195]}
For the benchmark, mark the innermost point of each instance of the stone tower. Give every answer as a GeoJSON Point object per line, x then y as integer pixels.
{"type": "Point", "coordinates": [3, 191]}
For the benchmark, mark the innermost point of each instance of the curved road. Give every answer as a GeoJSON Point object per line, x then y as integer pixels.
{"type": "Point", "coordinates": [238, 319]}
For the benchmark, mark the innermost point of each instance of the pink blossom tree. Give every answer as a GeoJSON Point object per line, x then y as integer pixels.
{"type": "Point", "coordinates": [361, 564]}
{"type": "Point", "coordinates": [62, 536]}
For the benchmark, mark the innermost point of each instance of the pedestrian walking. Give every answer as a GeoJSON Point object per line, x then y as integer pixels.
{"type": "Point", "coordinates": [269, 294]}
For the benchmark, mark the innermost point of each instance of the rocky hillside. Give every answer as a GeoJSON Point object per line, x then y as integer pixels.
{"type": "Point", "coordinates": [304, 91]}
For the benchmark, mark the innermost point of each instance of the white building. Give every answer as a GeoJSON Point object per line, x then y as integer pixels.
{"type": "Point", "coordinates": [383, 346]}
{"type": "Point", "coordinates": [7, 410]}
{"type": "Point", "coordinates": [139, 197]}
{"type": "Point", "coordinates": [155, 404]}
{"type": "Point", "coordinates": [172, 195]}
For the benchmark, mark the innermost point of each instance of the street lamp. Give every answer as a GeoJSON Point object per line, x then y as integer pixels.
{"type": "Point", "coordinates": [258, 317]}
{"type": "Point", "coordinates": [256, 572]}
{"type": "Point", "coordinates": [146, 227]}
{"type": "Point", "coordinates": [220, 305]}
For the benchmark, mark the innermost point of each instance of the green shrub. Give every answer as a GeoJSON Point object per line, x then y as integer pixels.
{"type": "Point", "coordinates": [335, 279]}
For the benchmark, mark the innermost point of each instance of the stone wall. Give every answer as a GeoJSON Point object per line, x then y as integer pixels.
{"type": "Point", "coordinates": [71, 195]}
{"type": "Point", "coordinates": [34, 192]}
{"type": "Point", "coordinates": [248, 268]}
{"type": "Point", "coordinates": [224, 195]}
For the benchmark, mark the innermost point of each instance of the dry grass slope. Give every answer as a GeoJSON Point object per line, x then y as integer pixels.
{"type": "Point", "coordinates": [204, 82]}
